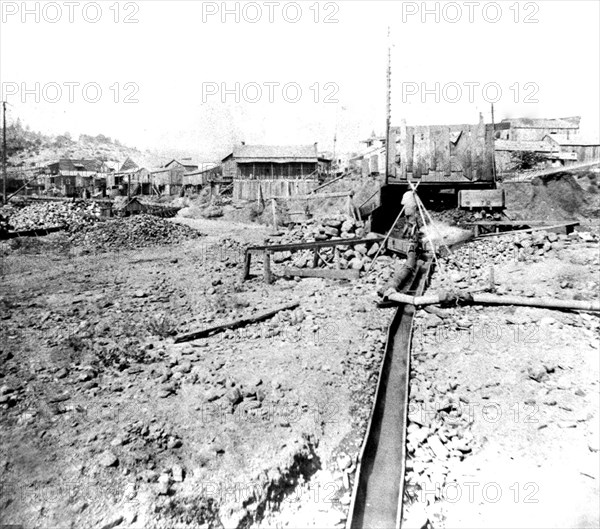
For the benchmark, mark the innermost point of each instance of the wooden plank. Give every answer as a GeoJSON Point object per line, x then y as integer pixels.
{"type": "Point", "coordinates": [515, 223]}
{"type": "Point", "coordinates": [314, 244]}
{"type": "Point", "coordinates": [481, 198]}
{"type": "Point", "coordinates": [447, 164]}
{"type": "Point", "coordinates": [329, 183]}
{"type": "Point", "coordinates": [410, 149]}
{"type": "Point", "coordinates": [326, 273]}
{"type": "Point", "coordinates": [311, 197]}
{"type": "Point", "coordinates": [567, 225]}
{"type": "Point", "coordinates": [203, 333]}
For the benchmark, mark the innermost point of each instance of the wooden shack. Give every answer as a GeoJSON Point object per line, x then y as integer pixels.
{"type": "Point", "coordinates": [128, 207]}
{"type": "Point", "coordinates": [273, 170]}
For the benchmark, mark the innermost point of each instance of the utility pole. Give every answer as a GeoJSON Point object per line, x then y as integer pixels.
{"type": "Point", "coordinates": [493, 146]}
{"type": "Point", "coordinates": [388, 109]}
{"type": "Point", "coordinates": [335, 139]}
{"type": "Point", "coordinates": [4, 152]}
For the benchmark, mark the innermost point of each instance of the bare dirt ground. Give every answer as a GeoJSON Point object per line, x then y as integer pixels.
{"type": "Point", "coordinates": [107, 423]}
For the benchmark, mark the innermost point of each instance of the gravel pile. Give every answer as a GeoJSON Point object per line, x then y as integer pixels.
{"type": "Point", "coordinates": [132, 232]}
{"type": "Point", "coordinates": [336, 227]}
{"type": "Point", "coordinates": [340, 227]}
{"type": "Point", "coordinates": [45, 215]}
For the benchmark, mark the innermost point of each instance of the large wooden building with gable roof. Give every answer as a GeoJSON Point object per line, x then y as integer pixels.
{"type": "Point", "coordinates": [273, 170]}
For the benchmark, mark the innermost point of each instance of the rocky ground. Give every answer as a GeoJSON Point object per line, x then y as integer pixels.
{"type": "Point", "coordinates": [106, 422]}
{"type": "Point", "coordinates": [504, 401]}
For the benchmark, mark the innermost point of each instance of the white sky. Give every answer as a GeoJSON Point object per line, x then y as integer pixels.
{"type": "Point", "coordinates": [170, 52]}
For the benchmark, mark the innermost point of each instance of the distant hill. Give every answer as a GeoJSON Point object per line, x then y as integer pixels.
{"type": "Point", "coordinates": [27, 149]}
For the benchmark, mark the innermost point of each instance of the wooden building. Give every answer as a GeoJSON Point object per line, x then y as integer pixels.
{"type": "Point", "coordinates": [129, 207]}
{"type": "Point", "coordinates": [553, 150]}
{"type": "Point", "coordinates": [532, 129]}
{"type": "Point", "coordinates": [373, 156]}
{"type": "Point", "coordinates": [509, 151]}
{"type": "Point", "coordinates": [575, 149]}
{"type": "Point", "coordinates": [169, 180]}
{"type": "Point", "coordinates": [275, 170]}
{"type": "Point", "coordinates": [72, 177]}
{"type": "Point", "coordinates": [194, 181]}
{"type": "Point", "coordinates": [452, 155]}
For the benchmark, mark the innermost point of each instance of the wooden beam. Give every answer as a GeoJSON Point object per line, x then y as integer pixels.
{"type": "Point", "coordinates": [514, 223]}
{"type": "Point", "coordinates": [310, 197]}
{"type": "Point", "coordinates": [331, 182]}
{"type": "Point", "coordinates": [314, 244]}
{"type": "Point", "coordinates": [261, 316]}
{"type": "Point", "coordinates": [567, 225]}
{"type": "Point", "coordinates": [299, 246]}
{"type": "Point", "coordinates": [325, 273]}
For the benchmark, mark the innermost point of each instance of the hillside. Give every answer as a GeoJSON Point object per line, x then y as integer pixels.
{"type": "Point", "coordinates": [27, 149]}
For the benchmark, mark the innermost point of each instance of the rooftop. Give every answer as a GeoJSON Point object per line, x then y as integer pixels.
{"type": "Point", "coordinates": [542, 123]}
{"type": "Point", "coordinates": [298, 153]}
{"type": "Point", "coordinates": [575, 141]}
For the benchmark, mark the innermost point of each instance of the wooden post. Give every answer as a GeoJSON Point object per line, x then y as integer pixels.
{"type": "Point", "coordinates": [247, 262]}
{"type": "Point", "coordinates": [315, 257]}
{"type": "Point", "coordinates": [470, 263]}
{"type": "Point", "coordinates": [267, 268]}
{"type": "Point", "coordinates": [274, 210]}
{"type": "Point", "coordinates": [492, 282]}
{"type": "Point", "coordinates": [259, 196]}
{"type": "Point", "coordinates": [336, 256]}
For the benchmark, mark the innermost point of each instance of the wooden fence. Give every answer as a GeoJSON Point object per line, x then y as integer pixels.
{"type": "Point", "coordinates": [249, 189]}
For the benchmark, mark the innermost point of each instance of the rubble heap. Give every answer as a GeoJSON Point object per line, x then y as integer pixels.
{"type": "Point", "coordinates": [46, 215]}
{"type": "Point", "coordinates": [340, 227]}
{"type": "Point", "coordinates": [132, 232]}
{"type": "Point", "coordinates": [524, 247]}
{"type": "Point", "coordinates": [496, 250]}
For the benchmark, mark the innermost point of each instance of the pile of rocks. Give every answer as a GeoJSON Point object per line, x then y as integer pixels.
{"type": "Point", "coordinates": [132, 232]}
{"type": "Point", "coordinates": [438, 434]}
{"type": "Point", "coordinates": [340, 227]}
{"type": "Point", "coordinates": [440, 417]}
{"type": "Point", "coordinates": [55, 214]}
{"type": "Point", "coordinates": [459, 217]}
{"type": "Point", "coordinates": [497, 250]}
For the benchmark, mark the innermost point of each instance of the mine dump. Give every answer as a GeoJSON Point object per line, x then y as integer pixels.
{"type": "Point", "coordinates": [346, 349]}
{"type": "Point", "coordinates": [299, 323]}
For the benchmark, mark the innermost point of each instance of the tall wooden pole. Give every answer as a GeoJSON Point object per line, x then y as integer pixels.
{"type": "Point", "coordinates": [388, 109]}
{"type": "Point", "coordinates": [493, 146]}
{"type": "Point", "coordinates": [4, 152]}
{"type": "Point", "coordinates": [335, 139]}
